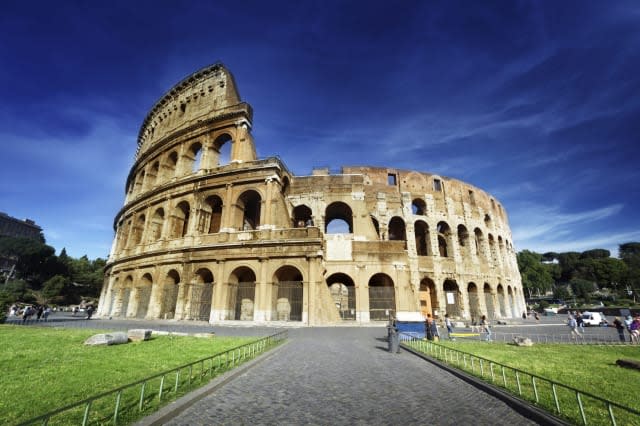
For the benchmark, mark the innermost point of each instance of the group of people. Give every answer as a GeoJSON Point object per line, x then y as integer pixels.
{"type": "Point", "coordinates": [40, 312]}
{"type": "Point", "coordinates": [632, 325]}
{"type": "Point", "coordinates": [432, 333]}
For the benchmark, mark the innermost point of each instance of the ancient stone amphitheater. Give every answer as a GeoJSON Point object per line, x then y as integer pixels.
{"type": "Point", "coordinates": [210, 232]}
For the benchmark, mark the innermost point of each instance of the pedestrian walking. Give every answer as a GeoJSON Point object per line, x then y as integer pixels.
{"type": "Point", "coordinates": [573, 326]}
{"type": "Point", "coordinates": [449, 325]}
{"type": "Point", "coordinates": [484, 323]}
{"type": "Point", "coordinates": [620, 328]}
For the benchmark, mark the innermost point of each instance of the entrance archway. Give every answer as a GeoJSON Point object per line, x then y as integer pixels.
{"type": "Point", "coordinates": [428, 297]}
{"type": "Point", "coordinates": [242, 293]}
{"type": "Point", "coordinates": [474, 301]}
{"type": "Point", "coordinates": [488, 301]}
{"type": "Point", "coordinates": [382, 297]}
{"type": "Point", "coordinates": [143, 295]}
{"type": "Point", "coordinates": [501, 301]}
{"type": "Point", "coordinates": [453, 298]}
{"type": "Point", "coordinates": [170, 295]}
{"type": "Point", "coordinates": [343, 293]}
{"type": "Point", "coordinates": [201, 293]}
{"type": "Point", "coordinates": [288, 294]}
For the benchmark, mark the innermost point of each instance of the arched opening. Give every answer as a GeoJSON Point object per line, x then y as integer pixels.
{"type": "Point", "coordinates": [302, 216]}
{"type": "Point", "coordinates": [155, 227]}
{"type": "Point", "coordinates": [288, 294]}
{"type": "Point", "coordinates": [285, 186]}
{"type": "Point", "coordinates": [501, 251]}
{"type": "Point", "coordinates": [195, 156]}
{"type": "Point", "coordinates": [123, 234]}
{"type": "Point", "coordinates": [125, 296]}
{"type": "Point", "coordinates": [453, 298]}
{"type": "Point", "coordinates": [242, 292]}
{"type": "Point", "coordinates": [444, 237]}
{"type": "Point", "coordinates": [501, 301]}
{"type": "Point", "coordinates": [222, 147]}
{"type": "Point", "coordinates": [493, 250]}
{"type": "Point", "coordinates": [487, 221]}
{"type": "Point", "coordinates": [138, 230]}
{"type": "Point", "coordinates": [382, 297]}
{"type": "Point", "coordinates": [479, 243]}
{"type": "Point", "coordinates": [152, 176]}
{"type": "Point", "coordinates": [180, 224]}
{"type": "Point", "coordinates": [170, 295]}
{"type": "Point", "coordinates": [428, 297]}
{"type": "Point", "coordinates": [511, 305]}
{"type": "Point", "coordinates": [139, 182]}
{"type": "Point", "coordinates": [248, 205]}
{"type": "Point", "coordinates": [170, 166]}
{"type": "Point", "coordinates": [397, 230]}
{"type": "Point", "coordinates": [212, 214]}
{"type": "Point", "coordinates": [488, 301]}
{"type": "Point", "coordinates": [143, 296]}
{"type": "Point", "coordinates": [474, 302]}
{"type": "Point", "coordinates": [343, 293]}
{"type": "Point", "coordinates": [376, 225]}
{"type": "Point", "coordinates": [418, 207]}
{"type": "Point", "coordinates": [338, 219]}
{"type": "Point", "coordinates": [200, 295]}
{"type": "Point", "coordinates": [421, 231]}
{"type": "Point", "coordinates": [463, 241]}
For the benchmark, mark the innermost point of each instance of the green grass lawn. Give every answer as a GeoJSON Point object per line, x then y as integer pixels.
{"type": "Point", "coordinates": [47, 368]}
{"type": "Point", "coordinates": [589, 368]}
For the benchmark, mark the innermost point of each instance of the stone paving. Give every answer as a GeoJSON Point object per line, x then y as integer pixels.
{"type": "Point", "coordinates": [346, 376]}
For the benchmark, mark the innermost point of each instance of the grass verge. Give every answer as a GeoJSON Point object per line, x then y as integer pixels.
{"type": "Point", "coordinates": [46, 368]}
{"type": "Point", "coordinates": [590, 369]}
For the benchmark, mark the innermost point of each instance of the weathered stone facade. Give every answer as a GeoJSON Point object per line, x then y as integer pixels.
{"type": "Point", "coordinates": [203, 237]}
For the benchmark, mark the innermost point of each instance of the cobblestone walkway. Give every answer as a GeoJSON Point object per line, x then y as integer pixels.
{"type": "Point", "coordinates": [345, 376]}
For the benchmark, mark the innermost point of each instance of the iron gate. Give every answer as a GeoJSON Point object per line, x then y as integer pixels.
{"type": "Point", "coordinates": [144, 294]}
{"type": "Point", "coordinates": [289, 301]}
{"type": "Point", "coordinates": [382, 303]}
{"type": "Point", "coordinates": [200, 301]}
{"type": "Point", "coordinates": [169, 300]}
{"type": "Point", "coordinates": [245, 294]}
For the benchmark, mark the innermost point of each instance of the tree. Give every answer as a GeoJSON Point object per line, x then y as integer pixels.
{"type": "Point", "coordinates": [568, 262]}
{"type": "Point", "coordinates": [630, 255]}
{"type": "Point", "coordinates": [595, 254]}
{"type": "Point", "coordinates": [55, 288]}
{"type": "Point", "coordinates": [536, 277]}
{"type": "Point", "coordinates": [583, 288]}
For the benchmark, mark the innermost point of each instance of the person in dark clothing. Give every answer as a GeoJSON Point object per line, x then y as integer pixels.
{"type": "Point", "coordinates": [620, 327]}
{"type": "Point", "coordinates": [89, 311]}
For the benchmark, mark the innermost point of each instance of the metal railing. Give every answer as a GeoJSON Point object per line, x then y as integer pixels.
{"type": "Point", "coordinates": [565, 401]}
{"type": "Point", "coordinates": [132, 401]}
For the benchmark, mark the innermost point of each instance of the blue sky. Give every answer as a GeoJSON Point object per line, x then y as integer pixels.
{"type": "Point", "coordinates": [536, 102]}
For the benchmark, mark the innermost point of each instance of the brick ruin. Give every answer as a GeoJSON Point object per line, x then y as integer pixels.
{"type": "Point", "coordinates": [210, 232]}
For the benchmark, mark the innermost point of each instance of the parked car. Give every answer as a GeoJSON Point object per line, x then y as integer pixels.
{"type": "Point", "coordinates": [593, 319]}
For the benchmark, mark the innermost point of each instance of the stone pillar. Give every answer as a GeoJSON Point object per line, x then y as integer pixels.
{"type": "Point", "coordinates": [219, 309]}
{"type": "Point", "coordinates": [243, 148]}
{"type": "Point", "coordinates": [262, 305]}
{"type": "Point", "coordinates": [362, 295]}
{"type": "Point", "coordinates": [228, 211]}
{"type": "Point", "coordinates": [155, 299]}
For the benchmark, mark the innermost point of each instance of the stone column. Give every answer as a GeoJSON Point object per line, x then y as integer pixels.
{"type": "Point", "coordinates": [362, 295]}
{"type": "Point", "coordinates": [219, 309]}
{"type": "Point", "coordinates": [228, 211]}
{"type": "Point", "coordinates": [262, 305]}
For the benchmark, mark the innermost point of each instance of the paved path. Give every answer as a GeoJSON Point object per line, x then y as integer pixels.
{"type": "Point", "coordinates": [345, 376]}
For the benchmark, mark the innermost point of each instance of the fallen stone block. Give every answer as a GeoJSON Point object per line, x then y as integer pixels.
{"type": "Point", "coordinates": [522, 341]}
{"type": "Point", "coordinates": [116, 338]}
{"type": "Point", "coordinates": [139, 334]}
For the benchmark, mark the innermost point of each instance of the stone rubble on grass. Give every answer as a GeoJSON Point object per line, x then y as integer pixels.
{"type": "Point", "coordinates": [522, 341]}
{"type": "Point", "coordinates": [139, 334]}
{"type": "Point", "coordinates": [115, 338]}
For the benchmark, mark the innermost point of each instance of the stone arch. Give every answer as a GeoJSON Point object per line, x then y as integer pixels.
{"type": "Point", "coordinates": [170, 166]}
{"type": "Point", "coordinates": [376, 225]}
{"type": "Point", "coordinates": [170, 289]}
{"type": "Point", "coordinates": [288, 294]}
{"type": "Point", "coordinates": [511, 303]}
{"type": "Point", "coordinates": [155, 225]}
{"type": "Point", "coordinates": [138, 230]}
{"type": "Point", "coordinates": [248, 210]}
{"type": "Point", "coordinates": [152, 175]}
{"type": "Point", "coordinates": [489, 301]}
{"type": "Point", "coordinates": [474, 301]}
{"type": "Point", "coordinates": [200, 295]}
{"type": "Point", "coordinates": [501, 301]}
{"type": "Point", "coordinates": [382, 299]}
{"type": "Point", "coordinates": [286, 185]}
{"type": "Point", "coordinates": [343, 293]}
{"type": "Point", "coordinates": [338, 218]}
{"type": "Point", "coordinates": [397, 230]}
{"type": "Point", "coordinates": [501, 250]}
{"type": "Point", "coordinates": [463, 241]}
{"type": "Point", "coordinates": [444, 239]}
{"type": "Point", "coordinates": [212, 214]}
{"type": "Point", "coordinates": [302, 216]}
{"type": "Point", "coordinates": [222, 149]}
{"type": "Point", "coordinates": [143, 296]}
{"type": "Point", "coordinates": [453, 298]}
{"type": "Point", "coordinates": [419, 207]}
{"type": "Point", "coordinates": [139, 182]}
{"type": "Point", "coordinates": [493, 250]}
{"type": "Point", "coordinates": [180, 223]}
{"type": "Point", "coordinates": [123, 234]}
{"type": "Point", "coordinates": [125, 296]}
{"type": "Point", "coordinates": [428, 297]}
{"type": "Point", "coordinates": [479, 243]}
{"type": "Point", "coordinates": [423, 240]}
{"type": "Point", "coordinates": [242, 292]}
{"type": "Point", "coordinates": [487, 221]}
{"type": "Point", "coordinates": [193, 157]}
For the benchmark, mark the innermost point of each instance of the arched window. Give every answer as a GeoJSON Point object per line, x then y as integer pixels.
{"type": "Point", "coordinates": [155, 227]}
{"type": "Point", "coordinates": [479, 242]}
{"type": "Point", "coordinates": [180, 220]}
{"type": "Point", "coordinates": [242, 291]}
{"type": "Point", "coordinates": [195, 156]}
{"type": "Point", "coordinates": [152, 176]}
{"type": "Point", "coordinates": [138, 230]}
{"type": "Point", "coordinates": [222, 147]}
{"type": "Point", "coordinates": [397, 229]}
{"type": "Point", "coordinates": [200, 295]}
{"type": "Point", "coordinates": [444, 235]}
{"type": "Point", "coordinates": [302, 216]}
{"type": "Point", "coordinates": [169, 295]}
{"type": "Point", "coordinates": [249, 209]}
{"type": "Point", "coordinates": [212, 216]}
{"type": "Point", "coordinates": [421, 230]}
{"type": "Point", "coordinates": [338, 219]}
{"type": "Point", "coordinates": [418, 207]}
{"type": "Point", "coordinates": [463, 240]}
{"type": "Point", "coordinates": [343, 293]}
{"type": "Point", "coordinates": [288, 297]}
{"type": "Point", "coordinates": [170, 166]}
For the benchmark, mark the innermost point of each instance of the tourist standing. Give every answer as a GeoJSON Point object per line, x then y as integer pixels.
{"type": "Point", "coordinates": [620, 328]}
{"type": "Point", "coordinates": [427, 327]}
{"type": "Point", "coordinates": [573, 326]}
{"type": "Point", "coordinates": [484, 323]}
{"type": "Point", "coordinates": [449, 325]}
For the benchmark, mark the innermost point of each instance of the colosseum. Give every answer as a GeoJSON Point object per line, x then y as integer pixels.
{"type": "Point", "coordinates": [210, 232]}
